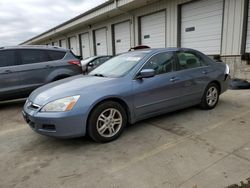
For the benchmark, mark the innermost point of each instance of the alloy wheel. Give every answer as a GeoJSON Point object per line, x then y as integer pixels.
{"type": "Point", "coordinates": [109, 122]}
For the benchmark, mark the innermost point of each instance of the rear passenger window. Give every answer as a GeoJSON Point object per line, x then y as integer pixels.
{"type": "Point", "coordinates": [7, 58]}
{"type": "Point", "coordinates": [56, 55]}
{"type": "Point", "coordinates": [188, 60]}
{"type": "Point", "coordinates": [33, 56]}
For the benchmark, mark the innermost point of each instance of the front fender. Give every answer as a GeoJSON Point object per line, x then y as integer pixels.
{"type": "Point", "coordinates": [127, 102]}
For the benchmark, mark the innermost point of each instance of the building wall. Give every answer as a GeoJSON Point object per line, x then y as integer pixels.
{"type": "Point", "coordinates": [233, 27]}
{"type": "Point", "coordinates": [232, 31]}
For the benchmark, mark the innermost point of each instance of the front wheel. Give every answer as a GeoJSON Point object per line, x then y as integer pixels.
{"type": "Point", "coordinates": [107, 122]}
{"type": "Point", "coordinates": [210, 97]}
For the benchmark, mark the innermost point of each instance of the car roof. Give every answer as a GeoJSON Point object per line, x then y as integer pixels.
{"type": "Point", "coordinates": [164, 49]}
{"type": "Point", "coordinates": [38, 47]}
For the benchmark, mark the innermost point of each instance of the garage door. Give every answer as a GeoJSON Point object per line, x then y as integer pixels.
{"type": "Point", "coordinates": [101, 42]}
{"type": "Point", "coordinates": [122, 37]}
{"type": "Point", "coordinates": [153, 30]}
{"type": "Point", "coordinates": [248, 32]}
{"type": "Point", "coordinates": [55, 44]}
{"type": "Point", "coordinates": [63, 43]}
{"type": "Point", "coordinates": [73, 45]}
{"type": "Point", "coordinates": [85, 45]}
{"type": "Point", "coordinates": [201, 26]}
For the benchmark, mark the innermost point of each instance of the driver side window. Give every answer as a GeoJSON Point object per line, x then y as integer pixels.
{"type": "Point", "coordinates": [161, 63]}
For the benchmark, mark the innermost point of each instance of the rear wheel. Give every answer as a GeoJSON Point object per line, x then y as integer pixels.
{"type": "Point", "coordinates": [210, 97]}
{"type": "Point", "coordinates": [60, 78]}
{"type": "Point", "coordinates": [107, 122]}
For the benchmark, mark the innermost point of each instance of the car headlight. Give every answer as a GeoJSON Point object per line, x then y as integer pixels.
{"type": "Point", "coordinates": [61, 105]}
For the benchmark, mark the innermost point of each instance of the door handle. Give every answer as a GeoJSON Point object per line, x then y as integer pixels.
{"type": "Point", "coordinates": [204, 72]}
{"type": "Point", "coordinates": [7, 71]}
{"type": "Point", "coordinates": [174, 79]}
{"type": "Point", "coordinates": [48, 66]}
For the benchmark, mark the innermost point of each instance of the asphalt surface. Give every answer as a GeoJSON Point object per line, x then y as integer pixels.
{"type": "Point", "coordinates": [188, 148]}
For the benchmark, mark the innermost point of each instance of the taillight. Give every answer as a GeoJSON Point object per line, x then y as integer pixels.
{"type": "Point", "coordinates": [75, 62]}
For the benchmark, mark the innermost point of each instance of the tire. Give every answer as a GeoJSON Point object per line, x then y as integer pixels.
{"type": "Point", "coordinates": [210, 97]}
{"type": "Point", "coordinates": [104, 127]}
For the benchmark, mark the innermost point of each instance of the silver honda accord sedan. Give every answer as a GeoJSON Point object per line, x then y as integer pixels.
{"type": "Point", "coordinates": [126, 89]}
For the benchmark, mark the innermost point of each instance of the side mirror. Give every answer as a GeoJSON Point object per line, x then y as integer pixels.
{"type": "Point", "coordinates": [146, 73]}
{"type": "Point", "coordinates": [90, 64]}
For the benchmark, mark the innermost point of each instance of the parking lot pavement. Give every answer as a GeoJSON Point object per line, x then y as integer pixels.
{"type": "Point", "coordinates": [187, 148]}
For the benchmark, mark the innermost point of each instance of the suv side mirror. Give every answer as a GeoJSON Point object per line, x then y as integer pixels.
{"type": "Point", "coordinates": [146, 73]}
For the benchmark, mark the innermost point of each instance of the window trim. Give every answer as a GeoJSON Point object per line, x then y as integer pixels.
{"type": "Point", "coordinates": [19, 57]}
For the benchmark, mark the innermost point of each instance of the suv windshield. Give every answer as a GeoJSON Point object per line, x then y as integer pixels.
{"type": "Point", "coordinates": [119, 65]}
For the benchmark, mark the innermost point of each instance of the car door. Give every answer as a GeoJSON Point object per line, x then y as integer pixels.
{"type": "Point", "coordinates": [160, 93]}
{"type": "Point", "coordinates": [9, 77]}
{"type": "Point", "coordinates": [194, 72]}
{"type": "Point", "coordinates": [34, 68]}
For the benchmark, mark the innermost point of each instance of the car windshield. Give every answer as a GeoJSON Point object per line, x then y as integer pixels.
{"type": "Point", "coordinates": [118, 66]}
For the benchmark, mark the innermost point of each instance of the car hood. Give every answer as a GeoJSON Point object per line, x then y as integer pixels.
{"type": "Point", "coordinates": [76, 85]}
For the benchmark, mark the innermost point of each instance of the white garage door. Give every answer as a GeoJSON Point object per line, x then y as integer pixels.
{"type": "Point", "coordinates": [73, 45]}
{"type": "Point", "coordinates": [55, 43]}
{"type": "Point", "coordinates": [153, 30]}
{"type": "Point", "coordinates": [101, 42]}
{"type": "Point", "coordinates": [122, 37]}
{"type": "Point", "coordinates": [63, 43]}
{"type": "Point", "coordinates": [85, 45]}
{"type": "Point", "coordinates": [201, 26]}
{"type": "Point", "coordinates": [248, 32]}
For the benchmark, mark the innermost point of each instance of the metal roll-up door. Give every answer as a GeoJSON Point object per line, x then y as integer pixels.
{"type": "Point", "coordinates": [122, 37]}
{"type": "Point", "coordinates": [201, 26]}
{"type": "Point", "coordinates": [101, 42]}
{"type": "Point", "coordinates": [62, 43]}
{"type": "Point", "coordinates": [73, 44]}
{"type": "Point", "coordinates": [85, 45]}
{"type": "Point", "coordinates": [248, 32]}
{"type": "Point", "coordinates": [55, 44]}
{"type": "Point", "coordinates": [153, 30]}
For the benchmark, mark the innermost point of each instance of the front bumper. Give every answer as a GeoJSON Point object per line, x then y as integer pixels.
{"type": "Point", "coordinates": [57, 124]}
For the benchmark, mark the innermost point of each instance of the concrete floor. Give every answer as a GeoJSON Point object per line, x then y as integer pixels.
{"type": "Point", "coordinates": [189, 148]}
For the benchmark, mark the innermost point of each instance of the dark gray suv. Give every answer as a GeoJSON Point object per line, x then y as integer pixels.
{"type": "Point", "coordinates": [25, 68]}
